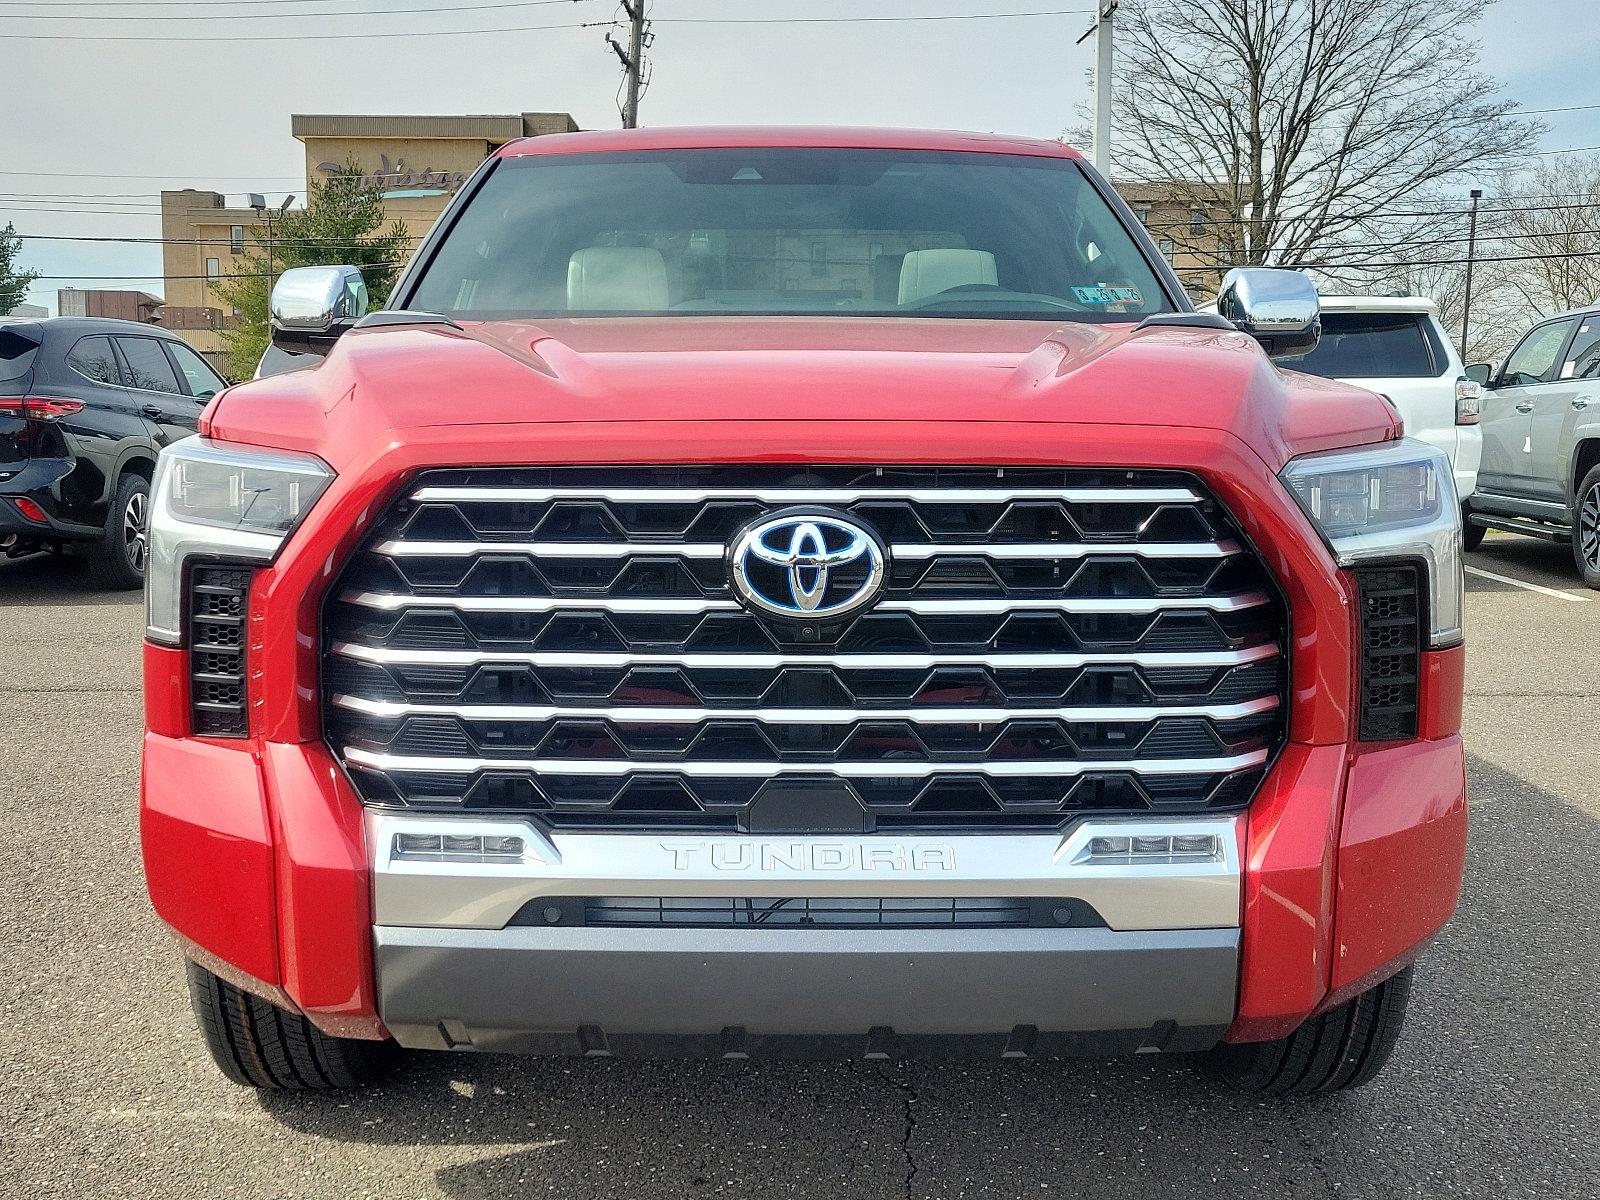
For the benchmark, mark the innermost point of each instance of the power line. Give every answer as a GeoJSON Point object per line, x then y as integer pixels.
{"type": "Point", "coordinates": [157, 241]}
{"type": "Point", "coordinates": [86, 212]}
{"type": "Point", "coordinates": [1534, 112]}
{"type": "Point", "coordinates": [183, 4]}
{"type": "Point", "coordinates": [268, 16]}
{"type": "Point", "coordinates": [1376, 213]}
{"type": "Point", "coordinates": [96, 196]}
{"type": "Point", "coordinates": [211, 278]}
{"type": "Point", "coordinates": [106, 175]}
{"type": "Point", "coordinates": [1000, 16]}
{"type": "Point", "coordinates": [293, 37]}
{"type": "Point", "coordinates": [1446, 262]}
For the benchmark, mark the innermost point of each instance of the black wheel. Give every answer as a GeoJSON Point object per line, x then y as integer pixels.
{"type": "Point", "coordinates": [1586, 529]}
{"type": "Point", "coordinates": [1471, 535]}
{"type": "Point", "coordinates": [258, 1044]}
{"type": "Point", "coordinates": [116, 561]}
{"type": "Point", "coordinates": [1342, 1048]}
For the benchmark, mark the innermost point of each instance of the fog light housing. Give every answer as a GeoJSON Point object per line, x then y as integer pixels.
{"type": "Point", "coordinates": [457, 847]}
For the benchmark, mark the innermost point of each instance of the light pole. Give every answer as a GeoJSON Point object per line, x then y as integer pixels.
{"type": "Point", "coordinates": [259, 203]}
{"type": "Point", "coordinates": [1472, 251]}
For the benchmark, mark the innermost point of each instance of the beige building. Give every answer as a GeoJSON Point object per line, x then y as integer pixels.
{"type": "Point", "coordinates": [418, 161]}
{"type": "Point", "coordinates": [1190, 226]}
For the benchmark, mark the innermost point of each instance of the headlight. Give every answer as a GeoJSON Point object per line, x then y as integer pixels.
{"type": "Point", "coordinates": [220, 501]}
{"type": "Point", "coordinates": [1389, 502]}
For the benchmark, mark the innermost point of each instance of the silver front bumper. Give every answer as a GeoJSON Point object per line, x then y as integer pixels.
{"type": "Point", "coordinates": [459, 968]}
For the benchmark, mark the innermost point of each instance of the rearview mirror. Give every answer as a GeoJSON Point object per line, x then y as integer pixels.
{"type": "Point", "coordinates": [312, 307]}
{"type": "Point", "coordinates": [1480, 373]}
{"type": "Point", "coordinates": [1280, 309]}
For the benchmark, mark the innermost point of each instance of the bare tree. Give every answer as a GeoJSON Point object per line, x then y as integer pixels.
{"type": "Point", "coordinates": [1537, 253]}
{"type": "Point", "coordinates": [1553, 234]}
{"type": "Point", "coordinates": [1315, 124]}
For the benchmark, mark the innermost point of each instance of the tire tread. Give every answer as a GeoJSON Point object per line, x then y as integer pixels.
{"type": "Point", "coordinates": [1343, 1048]}
{"type": "Point", "coordinates": [105, 561]}
{"type": "Point", "coordinates": [257, 1044]}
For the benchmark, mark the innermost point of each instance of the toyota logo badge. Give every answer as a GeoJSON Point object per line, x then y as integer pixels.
{"type": "Point", "coordinates": [807, 565]}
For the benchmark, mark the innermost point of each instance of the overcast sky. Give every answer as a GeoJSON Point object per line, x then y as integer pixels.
{"type": "Point", "coordinates": [104, 124]}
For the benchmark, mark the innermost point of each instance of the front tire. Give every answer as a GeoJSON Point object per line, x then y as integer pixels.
{"type": "Point", "coordinates": [1471, 535]}
{"type": "Point", "coordinates": [257, 1044]}
{"type": "Point", "coordinates": [1342, 1048]}
{"type": "Point", "coordinates": [116, 561]}
{"type": "Point", "coordinates": [1586, 529]}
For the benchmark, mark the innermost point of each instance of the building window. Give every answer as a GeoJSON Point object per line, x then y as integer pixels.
{"type": "Point", "coordinates": [236, 239]}
{"type": "Point", "coordinates": [1197, 220]}
{"type": "Point", "coordinates": [213, 268]}
{"type": "Point", "coordinates": [819, 260]}
{"type": "Point", "coordinates": [1142, 214]}
{"type": "Point", "coordinates": [1167, 248]}
{"type": "Point", "coordinates": [1224, 251]}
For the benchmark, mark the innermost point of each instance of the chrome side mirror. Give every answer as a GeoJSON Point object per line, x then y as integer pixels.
{"type": "Point", "coordinates": [1280, 309]}
{"type": "Point", "coordinates": [311, 307]}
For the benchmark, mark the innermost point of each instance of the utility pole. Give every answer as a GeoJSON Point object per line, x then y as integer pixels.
{"type": "Point", "coordinates": [632, 59]}
{"type": "Point", "coordinates": [1101, 31]}
{"type": "Point", "coordinates": [1472, 250]}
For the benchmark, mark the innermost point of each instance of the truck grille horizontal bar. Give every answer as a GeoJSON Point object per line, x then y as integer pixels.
{"type": "Point", "coordinates": [568, 644]}
{"type": "Point", "coordinates": [669, 495]}
{"type": "Point", "coordinates": [771, 662]}
{"type": "Point", "coordinates": [807, 716]}
{"type": "Point", "coordinates": [885, 769]}
{"type": "Point", "coordinates": [392, 602]}
{"type": "Point", "coordinates": [717, 551]}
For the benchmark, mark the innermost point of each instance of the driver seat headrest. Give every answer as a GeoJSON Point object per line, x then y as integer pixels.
{"type": "Point", "coordinates": [926, 273]}
{"type": "Point", "coordinates": [617, 279]}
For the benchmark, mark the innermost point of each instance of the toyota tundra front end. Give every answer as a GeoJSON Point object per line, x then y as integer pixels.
{"type": "Point", "coordinates": [759, 591]}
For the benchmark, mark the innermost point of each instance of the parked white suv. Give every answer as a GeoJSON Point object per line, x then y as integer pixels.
{"type": "Point", "coordinates": [1396, 345]}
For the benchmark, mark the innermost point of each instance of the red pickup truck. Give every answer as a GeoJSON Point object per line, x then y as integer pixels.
{"type": "Point", "coordinates": [797, 590]}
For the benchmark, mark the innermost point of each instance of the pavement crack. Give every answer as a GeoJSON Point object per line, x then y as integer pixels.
{"type": "Point", "coordinates": [908, 1095]}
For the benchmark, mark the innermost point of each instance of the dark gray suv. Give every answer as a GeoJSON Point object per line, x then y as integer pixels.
{"type": "Point", "coordinates": [86, 404]}
{"type": "Point", "coordinates": [1540, 473]}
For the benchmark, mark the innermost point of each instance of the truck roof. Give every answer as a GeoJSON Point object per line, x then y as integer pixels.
{"type": "Point", "coordinates": [707, 137]}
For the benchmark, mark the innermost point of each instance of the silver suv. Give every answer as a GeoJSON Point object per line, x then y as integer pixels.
{"type": "Point", "coordinates": [1540, 473]}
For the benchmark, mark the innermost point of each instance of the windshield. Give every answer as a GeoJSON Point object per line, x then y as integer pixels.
{"type": "Point", "coordinates": [802, 231]}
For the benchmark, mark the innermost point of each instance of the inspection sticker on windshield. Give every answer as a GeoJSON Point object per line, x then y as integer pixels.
{"type": "Point", "coordinates": [1108, 295]}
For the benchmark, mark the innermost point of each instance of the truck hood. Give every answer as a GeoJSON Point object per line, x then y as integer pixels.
{"type": "Point", "coordinates": [411, 379]}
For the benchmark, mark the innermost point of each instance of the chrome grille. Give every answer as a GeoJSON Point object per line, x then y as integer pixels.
{"type": "Point", "coordinates": [565, 642]}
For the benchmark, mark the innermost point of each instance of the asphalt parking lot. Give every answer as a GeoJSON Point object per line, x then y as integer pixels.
{"type": "Point", "coordinates": [106, 1090]}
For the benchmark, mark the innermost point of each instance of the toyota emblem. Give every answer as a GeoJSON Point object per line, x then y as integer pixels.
{"type": "Point", "coordinates": [807, 565]}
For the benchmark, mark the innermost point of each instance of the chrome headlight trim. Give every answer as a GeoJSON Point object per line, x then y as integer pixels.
{"type": "Point", "coordinates": [174, 541]}
{"type": "Point", "coordinates": [1432, 534]}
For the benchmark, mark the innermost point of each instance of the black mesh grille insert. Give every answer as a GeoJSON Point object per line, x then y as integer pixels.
{"type": "Point", "coordinates": [1391, 649]}
{"type": "Point", "coordinates": [808, 912]}
{"type": "Point", "coordinates": [566, 642]}
{"type": "Point", "coordinates": [218, 603]}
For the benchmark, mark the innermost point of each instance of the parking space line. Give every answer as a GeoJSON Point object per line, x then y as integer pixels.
{"type": "Point", "coordinates": [1532, 587]}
